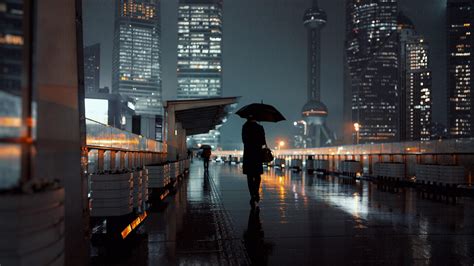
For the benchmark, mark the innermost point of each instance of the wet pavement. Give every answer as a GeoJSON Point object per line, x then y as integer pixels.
{"type": "Point", "coordinates": [302, 220]}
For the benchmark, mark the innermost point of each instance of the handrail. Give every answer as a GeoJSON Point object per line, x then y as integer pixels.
{"type": "Point", "coordinates": [104, 136]}
{"type": "Point", "coordinates": [434, 147]}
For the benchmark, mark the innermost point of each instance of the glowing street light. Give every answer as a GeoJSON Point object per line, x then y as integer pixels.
{"type": "Point", "coordinates": [357, 130]}
{"type": "Point", "coordinates": [281, 144]}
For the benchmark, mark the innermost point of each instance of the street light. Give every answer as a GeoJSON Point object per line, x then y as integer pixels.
{"type": "Point", "coordinates": [281, 144]}
{"type": "Point", "coordinates": [305, 126]}
{"type": "Point", "coordinates": [357, 129]}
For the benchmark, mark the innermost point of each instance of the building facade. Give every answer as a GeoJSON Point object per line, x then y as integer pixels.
{"type": "Point", "coordinates": [371, 52]}
{"type": "Point", "coordinates": [415, 84]}
{"type": "Point", "coordinates": [199, 69]}
{"type": "Point", "coordinates": [92, 68]}
{"type": "Point", "coordinates": [12, 68]}
{"type": "Point", "coordinates": [460, 59]}
{"type": "Point", "coordinates": [137, 54]}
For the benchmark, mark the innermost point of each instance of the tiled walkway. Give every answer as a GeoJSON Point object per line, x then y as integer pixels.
{"type": "Point", "coordinates": [303, 220]}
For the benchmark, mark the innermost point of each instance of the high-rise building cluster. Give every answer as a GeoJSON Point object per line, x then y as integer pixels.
{"type": "Point", "coordinates": [388, 86]}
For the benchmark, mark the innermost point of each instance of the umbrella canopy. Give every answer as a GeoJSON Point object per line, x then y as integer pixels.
{"type": "Point", "coordinates": [205, 147]}
{"type": "Point", "coordinates": [261, 112]}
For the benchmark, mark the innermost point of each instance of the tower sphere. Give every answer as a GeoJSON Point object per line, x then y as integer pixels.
{"type": "Point", "coordinates": [314, 18]}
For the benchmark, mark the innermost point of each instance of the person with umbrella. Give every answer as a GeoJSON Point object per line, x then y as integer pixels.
{"type": "Point", "coordinates": [206, 156]}
{"type": "Point", "coordinates": [253, 137]}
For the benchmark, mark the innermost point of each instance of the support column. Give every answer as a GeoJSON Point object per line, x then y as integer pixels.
{"type": "Point", "coordinates": [60, 127]}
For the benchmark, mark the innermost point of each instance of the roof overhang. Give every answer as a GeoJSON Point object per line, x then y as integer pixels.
{"type": "Point", "coordinates": [201, 115]}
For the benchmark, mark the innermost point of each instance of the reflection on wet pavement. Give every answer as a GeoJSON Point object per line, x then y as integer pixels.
{"type": "Point", "coordinates": [308, 219]}
{"type": "Point", "coordinates": [303, 220]}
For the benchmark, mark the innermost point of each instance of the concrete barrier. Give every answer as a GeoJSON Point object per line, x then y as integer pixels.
{"type": "Point", "coordinates": [351, 168]}
{"type": "Point", "coordinates": [297, 164]}
{"type": "Point", "coordinates": [321, 165]}
{"type": "Point", "coordinates": [395, 170]}
{"type": "Point", "coordinates": [447, 174]}
{"type": "Point", "coordinates": [32, 228]}
{"type": "Point", "coordinates": [158, 176]}
{"type": "Point", "coordinates": [111, 194]}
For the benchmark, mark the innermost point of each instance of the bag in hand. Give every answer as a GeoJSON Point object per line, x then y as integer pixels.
{"type": "Point", "coordinates": [267, 155]}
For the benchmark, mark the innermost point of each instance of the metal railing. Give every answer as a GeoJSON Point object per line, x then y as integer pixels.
{"type": "Point", "coordinates": [435, 147]}
{"type": "Point", "coordinates": [106, 137]}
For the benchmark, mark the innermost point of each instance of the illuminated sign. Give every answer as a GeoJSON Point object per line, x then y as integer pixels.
{"type": "Point", "coordinates": [97, 110]}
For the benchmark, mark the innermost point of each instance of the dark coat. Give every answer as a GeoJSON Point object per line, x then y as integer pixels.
{"type": "Point", "coordinates": [253, 137]}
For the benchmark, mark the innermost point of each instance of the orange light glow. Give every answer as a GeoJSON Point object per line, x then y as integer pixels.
{"type": "Point", "coordinates": [135, 223]}
{"type": "Point", "coordinates": [9, 121]}
{"type": "Point", "coordinates": [126, 231]}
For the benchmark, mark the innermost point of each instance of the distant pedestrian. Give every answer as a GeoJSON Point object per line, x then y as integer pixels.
{"type": "Point", "coordinates": [253, 137]}
{"type": "Point", "coordinates": [206, 156]}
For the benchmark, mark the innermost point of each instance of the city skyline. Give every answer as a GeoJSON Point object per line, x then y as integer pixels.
{"type": "Point", "coordinates": [261, 39]}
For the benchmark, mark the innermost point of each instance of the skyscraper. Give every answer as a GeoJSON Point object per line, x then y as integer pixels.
{"type": "Point", "coordinates": [92, 68]}
{"type": "Point", "coordinates": [200, 55]}
{"type": "Point", "coordinates": [372, 65]}
{"type": "Point", "coordinates": [137, 55]}
{"type": "Point", "coordinates": [460, 23]}
{"type": "Point", "coordinates": [314, 112]}
{"type": "Point", "coordinates": [12, 38]}
{"type": "Point", "coordinates": [11, 46]}
{"type": "Point", "coordinates": [415, 83]}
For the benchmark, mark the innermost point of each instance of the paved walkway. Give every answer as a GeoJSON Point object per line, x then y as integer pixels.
{"type": "Point", "coordinates": [303, 220]}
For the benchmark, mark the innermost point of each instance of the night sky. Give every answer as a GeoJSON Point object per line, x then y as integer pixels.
{"type": "Point", "coordinates": [264, 55]}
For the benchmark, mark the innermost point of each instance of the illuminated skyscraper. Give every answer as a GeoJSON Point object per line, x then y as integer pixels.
{"type": "Point", "coordinates": [137, 54]}
{"type": "Point", "coordinates": [11, 46]}
{"type": "Point", "coordinates": [460, 22]}
{"type": "Point", "coordinates": [200, 55]}
{"type": "Point", "coordinates": [372, 66]}
{"type": "Point", "coordinates": [314, 111]}
{"type": "Point", "coordinates": [11, 66]}
{"type": "Point", "coordinates": [92, 68]}
{"type": "Point", "coordinates": [415, 83]}
{"type": "Point", "coordinates": [199, 49]}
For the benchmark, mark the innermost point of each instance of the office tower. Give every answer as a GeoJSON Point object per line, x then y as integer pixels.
{"type": "Point", "coordinates": [137, 54]}
{"type": "Point", "coordinates": [372, 70]}
{"type": "Point", "coordinates": [200, 56]}
{"type": "Point", "coordinates": [415, 83]}
{"type": "Point", "coordinates": [92, 68]}
{"type": "Point", "coordinates": [314, 112]}
{"type": "Point", "coordinates": [460, 22]}
{"type": "Point", "coordinates": [11, 67]}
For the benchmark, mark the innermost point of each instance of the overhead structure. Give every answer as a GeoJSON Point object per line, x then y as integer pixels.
{"type": "Point", "coordinates": [191, 117]}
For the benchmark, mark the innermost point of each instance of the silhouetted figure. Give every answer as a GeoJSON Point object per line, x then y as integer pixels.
{"type": "Point", "coordinates": [253, 137]}
{"type": "Point", "coordinates": [206, 156]}
{"type": "Point", "coordinates": [254, 240]}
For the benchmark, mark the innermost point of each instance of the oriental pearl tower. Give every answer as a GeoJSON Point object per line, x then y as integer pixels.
{"type": "Point", "coordinates": [314, 111]}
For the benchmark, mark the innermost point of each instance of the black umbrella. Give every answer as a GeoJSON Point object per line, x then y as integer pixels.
{"type": "Point", "coordinates": [261, 112]}
{"type": "Point", "coordinates": [205, 147]}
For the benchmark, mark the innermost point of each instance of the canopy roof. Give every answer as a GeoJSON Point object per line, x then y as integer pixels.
{"type": "Point", "coordinates": [201, 115]}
